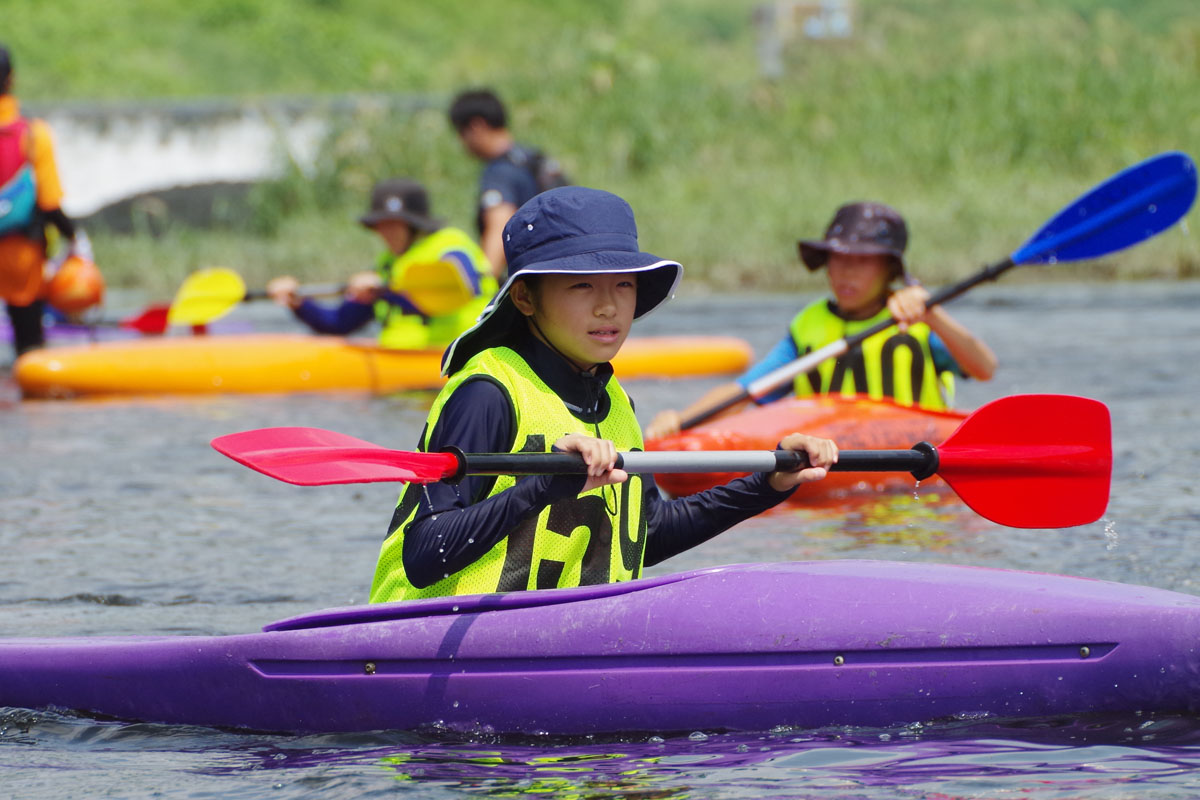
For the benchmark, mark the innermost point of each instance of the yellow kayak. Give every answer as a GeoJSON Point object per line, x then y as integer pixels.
{"type": "Point", "coordinates": [281, 363]}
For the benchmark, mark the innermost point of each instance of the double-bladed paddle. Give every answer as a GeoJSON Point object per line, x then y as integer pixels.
{"type": "Point", "coordinates": [209, 294]}
{"type": "Point", "coordinates": [435, 288]}
{"type": "Point", "coordinates": [1130, 207]}
{"type": "Point", "coordinates": [152, 320]}
{"type": "Point", "coordinates": [1028, 461]}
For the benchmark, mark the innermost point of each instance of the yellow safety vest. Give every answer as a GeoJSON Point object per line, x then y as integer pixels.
{"type": "Point", "coordinates": [889, 364]}
{"type": "Point", "coordinates": [407, 331]}
{"type": "Point", "coordinates": [596, 537]}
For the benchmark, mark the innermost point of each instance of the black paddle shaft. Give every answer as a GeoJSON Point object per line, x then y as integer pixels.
{"type": "Point", "coordinates": [921, 461]}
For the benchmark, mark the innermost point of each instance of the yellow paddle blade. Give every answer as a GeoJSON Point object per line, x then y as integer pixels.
{"type": "Point", "coordinates": [205, 296]}
{"type": "Point", "coordinates": [437, 288]}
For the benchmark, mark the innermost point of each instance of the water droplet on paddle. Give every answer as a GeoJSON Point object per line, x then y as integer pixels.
{"type": "Point", "coordinates": [1153, 209]}
{"type": "Point", "coordinates": [698, 736]}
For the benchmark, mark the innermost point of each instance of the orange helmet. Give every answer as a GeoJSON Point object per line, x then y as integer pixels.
{"type": "Point", "coordinates": [77, 285]}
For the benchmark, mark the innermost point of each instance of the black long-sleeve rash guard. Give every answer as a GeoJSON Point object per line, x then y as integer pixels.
{"type": "Point", "coordinates": [456, 525]}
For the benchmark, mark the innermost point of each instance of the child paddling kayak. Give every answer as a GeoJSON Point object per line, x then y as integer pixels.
{"type": "Point", "coordinates": [912, 363]}
{"type": "Point", "coordinates": [532, 375]}
{"type": "Point", "coordinates": [416, 244]}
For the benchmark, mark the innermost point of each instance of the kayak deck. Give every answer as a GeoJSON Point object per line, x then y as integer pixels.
{"type": "Point", "coordinates": [855, 423]}
{"type": "Point", "coordinates": [283, 363]}
{"type": "Point", "coordinates": [747, 647]}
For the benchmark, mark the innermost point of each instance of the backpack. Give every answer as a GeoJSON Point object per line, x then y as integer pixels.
{"type": "Point", "coordinates": [546, 171]}
{"type": "Point", "coordinates": [18, 193]}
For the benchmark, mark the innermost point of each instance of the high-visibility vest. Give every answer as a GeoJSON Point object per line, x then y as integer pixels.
{"type": "Point", "coordinates": [596, 537]}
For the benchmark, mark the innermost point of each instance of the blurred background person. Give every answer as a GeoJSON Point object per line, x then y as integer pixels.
{"type": "Point", "coordinates": [512, 174]}
{"type": "Point", "coordinates": [430, 282]}
{"type": "Point", "coordinates": [30, 200]}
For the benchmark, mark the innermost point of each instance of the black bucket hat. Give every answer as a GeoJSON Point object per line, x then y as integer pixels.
{"type": "Point", "coordinates": [401, 199]}
{"type": "Point", "coordinates": [572, 229]}
{"type": "Point", "coordinates": [859, 229]}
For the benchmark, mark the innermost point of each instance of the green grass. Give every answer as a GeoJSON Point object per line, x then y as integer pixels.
{"type": "Point", "coordinates": [978, 119]}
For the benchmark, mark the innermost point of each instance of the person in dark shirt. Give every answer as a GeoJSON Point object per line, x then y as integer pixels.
{"type": "Point", "coordinates": [513, 173]}
{"type": "Point", "coordinates": [533, 374]}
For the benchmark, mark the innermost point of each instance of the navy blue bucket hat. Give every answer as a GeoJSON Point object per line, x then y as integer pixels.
{"type": "Point", "coordinates": [567, 230]}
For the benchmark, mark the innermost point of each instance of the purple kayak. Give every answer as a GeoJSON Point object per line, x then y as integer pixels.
{"type": "Point", "coordinates": [747, 647]}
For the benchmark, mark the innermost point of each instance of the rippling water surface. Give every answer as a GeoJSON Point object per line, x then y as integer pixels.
{"type": "Point", "coordinates": [117, 518]}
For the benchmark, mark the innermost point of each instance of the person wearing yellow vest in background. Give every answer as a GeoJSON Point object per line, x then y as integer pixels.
{"type": "Point", "coordinates": [30, 200]}
{"type": "Point", "coordinates": [912, 363]}
{"type": "Point", "coordinates": [417, 246]}
{"type": "Point", "coordinates": [532, 375]}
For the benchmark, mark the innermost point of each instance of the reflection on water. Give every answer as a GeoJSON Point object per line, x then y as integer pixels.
{"type": "Point", "coordinates": [965, 758]}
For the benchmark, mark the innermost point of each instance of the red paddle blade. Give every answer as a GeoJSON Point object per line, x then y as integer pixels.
{"type": "Point", "coordinates": [1032, 461]}
{"type": "Point", "coordinates": [316, 457]}
{"type": "Point", "coordinates": [151, 321]}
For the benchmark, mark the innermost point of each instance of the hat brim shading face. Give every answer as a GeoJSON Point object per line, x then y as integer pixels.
{"type": "Point", "coordinates": [657, 281]}
{"type": "Point", "coordinates": [815, 254]}
{"type": "Point", "coordinates": [859, 229]}
{"type": "Point", "coordinates": [571, 230]}
{"type": "Point", "coordinates": [373, 218]}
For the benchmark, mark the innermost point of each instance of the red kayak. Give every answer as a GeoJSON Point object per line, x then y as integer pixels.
{"type": "Point", "coordinates": [855, 423]}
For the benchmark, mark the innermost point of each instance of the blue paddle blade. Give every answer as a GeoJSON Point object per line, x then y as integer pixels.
{"type": "Point", "coordinates": [1130, 207]}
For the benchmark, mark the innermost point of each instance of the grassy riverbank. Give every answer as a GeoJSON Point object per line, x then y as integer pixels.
{"type": "Point", "coordinates": [977, 119]}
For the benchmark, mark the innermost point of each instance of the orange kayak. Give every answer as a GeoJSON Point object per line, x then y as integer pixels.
{"type": "Point", "coordinates": [282, 363]}
{"type": "Point", "coordinates": [855, 423]}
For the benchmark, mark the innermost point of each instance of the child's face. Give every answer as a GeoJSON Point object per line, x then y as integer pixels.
{"type": "Point", "coordinates": [859, 282]}
{"type": "Point", "coordinates": [586, 317]}
{"type": "Point", "coordinates": [396, 233]}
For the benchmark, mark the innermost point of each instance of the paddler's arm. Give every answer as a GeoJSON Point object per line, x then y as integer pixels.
{"type": "Point", "coordinates": [970, 352]}
{"type": "Point", "coordinates": [454, 527]}
{"type": "Point", "coordinates": [677, 525]}
{"type": "Point", "coordinates": [346, 317]}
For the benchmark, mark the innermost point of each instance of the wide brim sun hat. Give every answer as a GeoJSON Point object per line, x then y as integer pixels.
{"type": "Point", "coordinates": [859, 229]}
{"type": "Point", "coordinates": [569, 230]}
{"type": "Point", "coordinates": [400, 199]}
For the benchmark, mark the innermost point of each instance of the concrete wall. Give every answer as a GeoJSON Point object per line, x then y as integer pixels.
{"type": "Point", "coordinates": [111, 151]}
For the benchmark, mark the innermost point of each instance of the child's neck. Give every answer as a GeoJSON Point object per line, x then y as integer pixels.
{"type": "Point", "coordinates": [865, 312]}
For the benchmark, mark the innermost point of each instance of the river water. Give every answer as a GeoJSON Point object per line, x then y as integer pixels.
{"type": "Point", "coordinates": [117, 518]}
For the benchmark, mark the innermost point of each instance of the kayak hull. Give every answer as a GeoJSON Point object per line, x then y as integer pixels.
{"type": "Point", "coordinates": [284, 363]}
{"type": "Point", "coordinates": [855, 423]}
{"type": "Point", "coordinates": [747, 647]}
